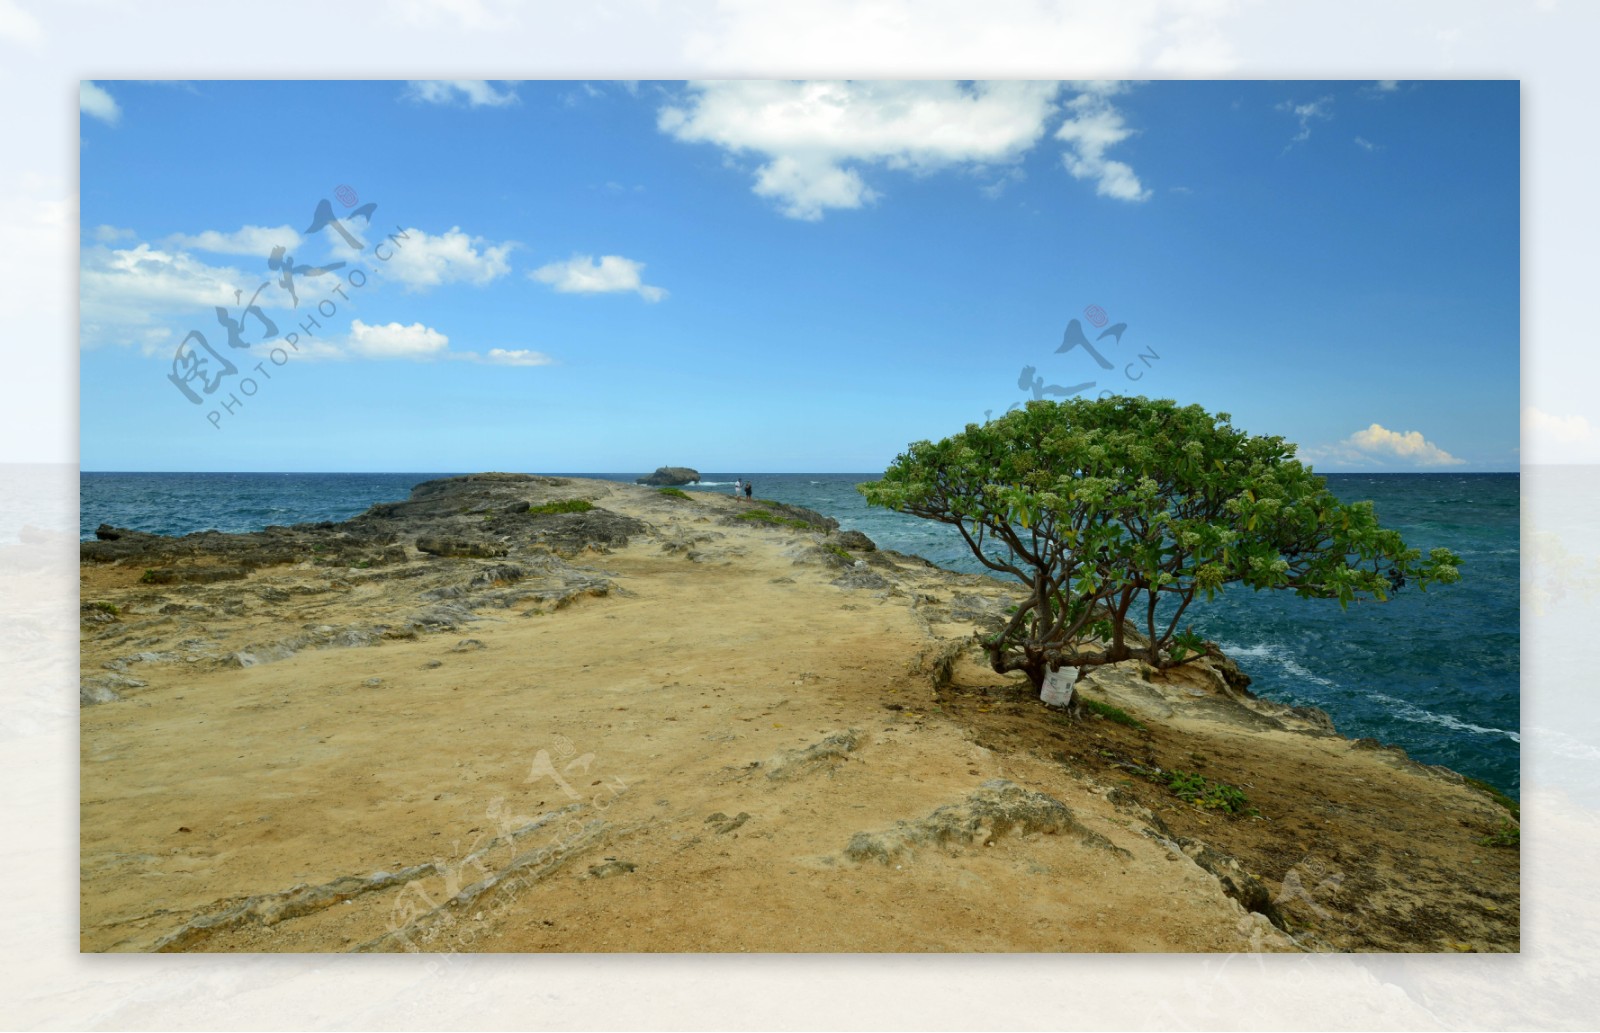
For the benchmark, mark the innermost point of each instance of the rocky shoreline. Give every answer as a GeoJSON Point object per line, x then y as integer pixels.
{"type": "Point", "coordinates": [516, 713]}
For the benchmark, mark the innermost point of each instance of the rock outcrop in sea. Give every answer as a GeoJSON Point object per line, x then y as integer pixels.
{"type": "Point", "coordinates": [670, 476]}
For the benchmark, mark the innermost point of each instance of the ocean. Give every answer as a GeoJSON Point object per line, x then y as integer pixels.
{"type": "Point", "coordinates": [1436, 673]}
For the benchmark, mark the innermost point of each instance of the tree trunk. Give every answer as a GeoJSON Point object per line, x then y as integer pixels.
{"type": "Point", "coordinates": [1118, 650]}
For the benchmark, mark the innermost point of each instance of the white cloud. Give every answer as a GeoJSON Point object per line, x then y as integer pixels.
{"type": "Point", "coordinates": [581, 274]}
{"type": "Point", "coordinates": [394, 341]}
{"type": "Point", "coordinates": [585, 91]}
{"type": "Point", "coordinates": [815, 138]}
{"type": "Point", "coordinates": [1379, 445]}
{"type": "Point", "coordinates": [1379, 89]}
{"type": "Point", "coordinates": [417, 342]}
{"type": "Point", "coordinates": [419, 261]}
{"type": "Point", "coordinates": [246, 240]}
{"type": "Point", "coordinates": [94, 101]}
{"type": "Point", "coordinates": [1549, 438]}
{"type": "Point", "coordinates": [475, 93]}
{"type": "Point", "coordinates": [1321, 108]}
{"type": "Point", "coordinates": [104, 234]}
{"type": "Point", "coordinates": [125, 292]}
{"type": "Point", "coordinates": [516, 357]}
{"type": "Point", "coordinates": [1093, 126]}
{"type": "Point", "coordinates": [1011, 175]}
{"type": "Point", "coordinates": [1366, 145]}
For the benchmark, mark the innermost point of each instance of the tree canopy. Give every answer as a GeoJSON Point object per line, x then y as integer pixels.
{"type": "Point", "coordinates": [1106, 508]}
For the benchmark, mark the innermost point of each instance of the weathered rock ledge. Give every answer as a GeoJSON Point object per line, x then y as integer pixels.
{"type": "Point", "coordinates": [515, 713]}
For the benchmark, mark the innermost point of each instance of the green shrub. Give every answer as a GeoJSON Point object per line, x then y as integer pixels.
{"type": "Point", "coordinates": [767, 517]}
{"type": "Point", "coordinates": [104, 607]}
{"type": "Point", "coordinates": [1507, 835]}
{"type": "Point", "coordinates": [1111, 713]}
{"type": "Point", "coordinates": [675, 493]}
{"type": "Point", "coordinates": [565, 506]}
{"type": "Point", "coordinates": [1199, 790]}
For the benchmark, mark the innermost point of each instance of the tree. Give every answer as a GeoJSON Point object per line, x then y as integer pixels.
{"type": "Point", "coordinates": [1106, 508]}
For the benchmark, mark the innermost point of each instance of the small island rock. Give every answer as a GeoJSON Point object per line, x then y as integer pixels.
{"type": "Point", "coordinates": [671, 476]}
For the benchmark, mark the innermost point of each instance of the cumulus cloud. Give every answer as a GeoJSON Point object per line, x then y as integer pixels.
{"type": "Point", "coordinates": [582, 274]}
{"type": "Point", "coordinates": [514, 357]}
{"type": "Point", "coordinates": [1092, 127]}
{"type": "Point", "coordinates": [1321, 108]}
{"type": "Point", "coordinates": [1378, 444]}
{"type": "Point", "coordinates": [475, 93]}
{"type": "Point", "coordinates": [96, 102]}
{"type": "Point", "coordinates": [105, 234]}
{"type": "Point", "coordinates": [127, 294]}
{"type": "Point", "coordinates": [815, 139]}
{"type": "Point", "coordinates": [419, 261]}
{"type": "Point", "coordinates": [395, 341]}
{"type": "Point", "coordinates": [246, 240]}
{"type": "Point", "coordinates": [421, 342]}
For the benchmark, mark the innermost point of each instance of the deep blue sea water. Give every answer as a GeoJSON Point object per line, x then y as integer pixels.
{"type": "Point", "coordinates": [1436, 673]}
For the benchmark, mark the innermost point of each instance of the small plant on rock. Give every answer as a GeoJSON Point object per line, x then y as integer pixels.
{"type": "Point", "coordinates": [564, 506]}
{"type": "Point", "coordinates": [1111, 713]}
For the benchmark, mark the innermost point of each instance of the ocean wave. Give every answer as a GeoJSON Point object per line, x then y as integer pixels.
{"type": "Point", "coordinates": [1277, 655]}
{"type": "Point", "coordinates": [1411, 712]}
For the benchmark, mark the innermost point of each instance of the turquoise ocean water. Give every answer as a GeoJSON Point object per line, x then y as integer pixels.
{"type": "Point", "coordinates": [1436, 673]}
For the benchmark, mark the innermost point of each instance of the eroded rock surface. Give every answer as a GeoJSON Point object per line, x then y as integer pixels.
{"type": "Point", "coordinates": [599, 718]}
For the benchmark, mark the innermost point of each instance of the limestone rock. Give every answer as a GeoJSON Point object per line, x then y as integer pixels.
{"type": "Point", "coordinates": [824, 755]}
{"type": "Point", "coordinates": [998, 808]}
{"type": "Point", "coordinates": [856, 541]}
{"type": "Point", "coordinates": [442, 546]}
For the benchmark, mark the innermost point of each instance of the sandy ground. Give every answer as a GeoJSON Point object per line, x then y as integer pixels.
{"type": "Point", "coordinates": [679, 765]}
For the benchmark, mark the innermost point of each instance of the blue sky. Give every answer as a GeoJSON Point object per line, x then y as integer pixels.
{"type": "Point", "coordinates": [779, 276]}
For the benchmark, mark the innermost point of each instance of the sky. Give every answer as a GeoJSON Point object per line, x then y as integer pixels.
{"type": "Point", "coordinates": [775, 276]}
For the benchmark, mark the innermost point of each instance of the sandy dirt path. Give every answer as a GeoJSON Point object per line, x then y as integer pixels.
{"type": "Point", "coordinates": [677, 765]}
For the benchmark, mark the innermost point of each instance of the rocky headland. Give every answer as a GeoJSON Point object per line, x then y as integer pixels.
{"type": "Point", "coordinates": [519, 713]}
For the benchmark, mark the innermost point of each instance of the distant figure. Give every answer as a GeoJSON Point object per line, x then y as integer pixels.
{"type": "Point", "coordinates": [748, 488]}
{"type": "Point", "coordinates": [737, 483]}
